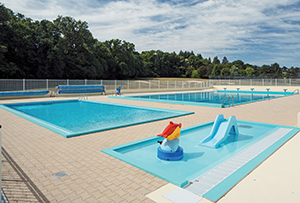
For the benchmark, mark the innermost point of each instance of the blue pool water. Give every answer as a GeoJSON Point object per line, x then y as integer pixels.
{"type": "Point", "coordinates": [198, 159]}
{"type": "Point", "coordinates": [75, 117]}
{"type": "Point", "coordinates": [211, 98]}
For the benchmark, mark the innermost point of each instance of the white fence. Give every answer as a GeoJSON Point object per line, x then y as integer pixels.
{"type": "Point", "coordinates": [256, 82]}
{"type": "Point", "coordinates": [50, 84]}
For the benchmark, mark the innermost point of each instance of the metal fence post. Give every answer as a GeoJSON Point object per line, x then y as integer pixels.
{"type": "Point", "coordinates": [23, 84]}
{"type": "Point", "coordinates": [47, 84]}
{"type": "Point", "coordinates": [85, 81]}
{"type": "Point", "coordinates": [67, 81]}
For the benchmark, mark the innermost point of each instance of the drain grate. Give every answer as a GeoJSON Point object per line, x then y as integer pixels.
{"type": "Point", "coordinates": [245, 126]}
{"type": "Point", "coordinates": [60, 174]}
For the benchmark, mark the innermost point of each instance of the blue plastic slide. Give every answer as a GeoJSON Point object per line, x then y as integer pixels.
{"type": "Point", "coordinates": [220, 131]}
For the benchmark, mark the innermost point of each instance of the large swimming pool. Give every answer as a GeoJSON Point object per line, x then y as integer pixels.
{"type": "Point", "coordinates": [218, 98]}
{"type": "Point", "coordinates": [76, 117]}
{"type": "Point", "coordinates": [212, 171]}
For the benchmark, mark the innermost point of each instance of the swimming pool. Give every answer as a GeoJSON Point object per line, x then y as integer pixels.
{"type": "Point", "coordinates": [76, 117]}
{"type": "Point", "coordinates": [218, 98]}
{"type": "Point", "coordinates": [201, 160]}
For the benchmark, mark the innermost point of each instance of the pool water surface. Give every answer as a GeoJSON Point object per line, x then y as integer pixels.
{"type": "Point", "coordinates": [218, 98]}
{"type": "Point", "coordinates": [76, 117]}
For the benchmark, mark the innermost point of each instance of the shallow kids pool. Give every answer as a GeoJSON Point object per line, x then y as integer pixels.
{"type": "Point", "coordinates": [212, 171]}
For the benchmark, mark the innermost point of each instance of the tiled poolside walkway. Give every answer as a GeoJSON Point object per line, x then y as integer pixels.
{"type": "Point", "coordinates": [96, 177]}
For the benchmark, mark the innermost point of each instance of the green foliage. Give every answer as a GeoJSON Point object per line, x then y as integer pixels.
{"type": "Point", "coordinates": [225, 72]}
{"type": "Point", "coordinates": [216, 61]}
{"type": "Point", "coordinates": [234, 71]}
{"type": "Point", "coordinates": [65, 48]}
{"type": "Point", "coordinates": [225, 60]}
{"type": "Point", "coordinates": [249, 71]}
{"type": "Point", "coordinates": [215, 71]}
{"type": "Point", "coordinates": [195, 74]}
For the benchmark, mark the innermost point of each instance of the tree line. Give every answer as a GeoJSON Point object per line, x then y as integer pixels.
{"type": "Point", "coordinates": [65, 48]}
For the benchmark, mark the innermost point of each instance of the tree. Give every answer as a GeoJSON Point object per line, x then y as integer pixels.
{"type": "Point", "coordinates": [215, 71]}
{"type": "Point", "coordinates": [75, 47]}
{"type": "Point", "coordinates": [202, 72]}
{"type": "Point", "coordinates": [225, 72]}
{"type": "Point", "coordinates": [225, 61]}
{"type": "Point", "coordinates": [238, 63]}
{"type": "Point", "coordinates": [249, 71]}
{"type": "Point", "coordinates": [234, 71]}
{"type": "Point", "coordinates": [189, 71]}
{"type": "Point", "coordinates": [124, 59]}
{"type": "Point", "coordinates": [65, 48]}
{"type": "Point", "coordinates": [216, 61]}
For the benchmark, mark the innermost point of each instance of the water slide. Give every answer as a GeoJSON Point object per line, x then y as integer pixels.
{"type": "Point", "coordinates": [220, 131]}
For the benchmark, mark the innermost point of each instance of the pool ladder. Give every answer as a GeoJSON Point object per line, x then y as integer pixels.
{"type": "Point", "coordinates": [83, 97]}
{"type": "Point", "coordinates": [296, 91]}
{"type": "Point", "coordinates": [230, 100]}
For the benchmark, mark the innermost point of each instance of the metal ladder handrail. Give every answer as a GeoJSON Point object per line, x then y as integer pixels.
{"type": "Point", "coordinates": [83, 97]}
{"type": "Point", "coordinates": [223, 100]}
{"type": "Point", "coordinates": [296, 90]}
{"type": "Point", "coordinates": [230, 98]}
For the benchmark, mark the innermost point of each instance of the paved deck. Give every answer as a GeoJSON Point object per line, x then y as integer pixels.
{"type": "Point", "coordinates": [32, 154]}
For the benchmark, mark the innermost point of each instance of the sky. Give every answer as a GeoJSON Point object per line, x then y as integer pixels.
{"type": "Point", "coordinates": [257, 32]}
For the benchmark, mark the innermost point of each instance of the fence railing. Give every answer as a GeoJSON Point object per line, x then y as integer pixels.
{"type": "Point", "coordinates": [50, 84]}
{"type": "Point", "coordinates": [256, 82]}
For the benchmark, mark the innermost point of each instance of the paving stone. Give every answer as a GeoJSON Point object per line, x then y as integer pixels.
{"type": "Point", "coordinates": [97, 177]}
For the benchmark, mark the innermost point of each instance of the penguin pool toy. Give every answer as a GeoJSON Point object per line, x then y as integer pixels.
{"type": "Point", "coordinates": [169, 148]}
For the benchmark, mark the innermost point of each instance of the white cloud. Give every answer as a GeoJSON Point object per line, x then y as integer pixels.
{"type": "Point", "coordinates": [238, 29]}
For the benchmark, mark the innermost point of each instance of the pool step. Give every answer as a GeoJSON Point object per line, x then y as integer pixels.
{"type": "Point", "coordinates": [210, 179]}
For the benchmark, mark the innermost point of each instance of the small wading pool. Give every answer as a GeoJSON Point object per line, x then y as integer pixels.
{"type": "Point", "coordinates": [76, 117]}
{"type": "Point", "coordinates": [218, 98]}
{"type": "Point", "coordinates": [199, 159]}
